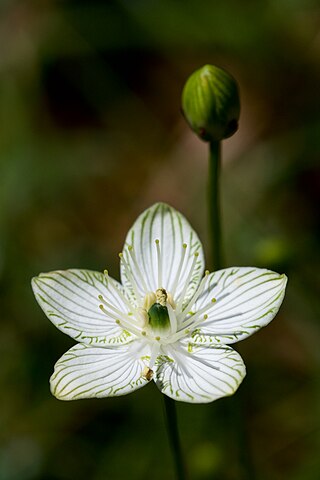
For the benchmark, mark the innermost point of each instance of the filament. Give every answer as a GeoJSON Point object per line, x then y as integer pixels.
{"type": "Point", "coordinates": [131, 279]}
{"type": "Point", "coordinates": [122, 321]}
{"type": "Point", "coordinates": [186, 283]}
{"type": "Point", "coordinates": [134, 259]}
{"type": "Point", "coordinates": [195, 297]}
{"type": "Point", "coordinates": [177, 277]}
{"type": "Point", "coordinates": [159, 261]}
{"type": "Point", "coordinates": [172, 318]}
{"type": "Point", "coordinates": [193, 318]}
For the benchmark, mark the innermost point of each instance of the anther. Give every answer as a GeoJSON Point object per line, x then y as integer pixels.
{"type": "Point", "coordinates": [105, 271]}
{"type": "Point", "coordinates": [143, 333]}
{"type": "Point", "coordinates": [130, 247]}
{"type": "Point", "coordinates": [206, 273]}
{"type": "Point", "coordinates": [118, 322]}
{"type": "Point", "coordinates": [158, 339]}
{"type": "Point", "coordinates": [101, 307]}
{"type": "Point", "coordinates": [187, 331]}
{"type": "Point", "coordinates": [196, 254]}
{"type": "Point", "coordinates": [213, 300]}
{"type": "Point", "coordinates": [205, 317]}
{"type": "Point", "coordinates": [157, 241]}
{"type": "Point", "coordinates": [147, 373]}
{"type": "Point", "coordinates": [184, 245]}
{"type": "Point", "coordinates": [120, 255]}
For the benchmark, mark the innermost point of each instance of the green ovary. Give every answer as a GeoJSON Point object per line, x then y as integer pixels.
{"type": "Point", "coordinates": [159, 318]}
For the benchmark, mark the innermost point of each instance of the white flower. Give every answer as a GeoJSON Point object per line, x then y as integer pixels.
{"type": "Point", "coordinates": [165, 322]}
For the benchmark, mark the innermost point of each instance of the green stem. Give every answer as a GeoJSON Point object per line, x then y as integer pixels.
{"type": "Point", "coordinates": [214, 205]}
{"type": "Point", "coordinates": [173, 434]}
{"type": "Point", "coordinates": [237, 411]}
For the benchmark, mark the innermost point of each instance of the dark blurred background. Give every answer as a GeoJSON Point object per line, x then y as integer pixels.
{"type": "Point", "coordinates": [90, 135]}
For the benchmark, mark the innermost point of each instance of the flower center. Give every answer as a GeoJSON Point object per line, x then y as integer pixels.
{"type": "Point", "coordinates": [155, 316]}
{"type": "Point", "coordinates": [159, 319]}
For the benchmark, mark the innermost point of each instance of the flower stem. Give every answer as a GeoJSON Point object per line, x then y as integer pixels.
{"type": "Point", "coordinates": [173, 434]}
{"type": "Point", "coordinates": [214, 204]}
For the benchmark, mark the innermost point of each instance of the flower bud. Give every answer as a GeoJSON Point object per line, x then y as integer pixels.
{"type": "Point", "coordinates": [210, 103]}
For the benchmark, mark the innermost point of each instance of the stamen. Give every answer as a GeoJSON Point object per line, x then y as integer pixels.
{"type": "Point", "coordinates": [142, 317]}
{"type": "Point", "coordinates": [195, 296]}
{"type": "Point", "coordinates": [155, 349]}
{"type": "Point", "coordinates": [134, 259]}
{"type": "Point", "coordinates": [175, 282]}
{"type": "Point", "coordinates": [147, 373]}
{"type": "Point", "coordinates": [121, 322]}
{"type": "Point", "coordinates": [116, 310]}
{"type": "Point", "coordinates": [118, 292]}
{"type": "Point", "coordinates": [170, 300]}
{"type": "Point", "coordinates": [149, 300]}
{"type": "Point", "coordinates": [195, 319]}
{"type": "Point", "coordinates": [186, 283]}
{"type": "Point", "coordinates": [131, 279]}
{"type": "Point", "coordinates": [158, 339]}
{"type": "Point", "coordinates": [173, 319]}
{"type": "Point", "coordinates": [182, 333]}
{"type": "Point", "coordinates": [159, 259]}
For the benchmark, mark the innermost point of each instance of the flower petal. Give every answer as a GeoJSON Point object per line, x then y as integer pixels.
{"type": "Point", "coordinates": [197, 374]}
{"type": "Point", "coordinates": [246, 300]}
{"type": "Point", "coordinates": [86, 372]}
{"type": "Point", "coordinates": [153, 266]}
{"type": "Point", "coordinates": [70, 300]}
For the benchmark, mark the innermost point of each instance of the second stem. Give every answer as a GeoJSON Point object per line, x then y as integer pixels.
{"type": "Point", "coordinates": [214, 204]}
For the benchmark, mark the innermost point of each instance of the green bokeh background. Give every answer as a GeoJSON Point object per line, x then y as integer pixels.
{"type": "Point", "coordinates": [90, 135]}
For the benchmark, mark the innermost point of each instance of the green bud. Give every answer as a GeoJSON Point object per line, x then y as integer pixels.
{"type": "Point", "coordinates": [210, 103]}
